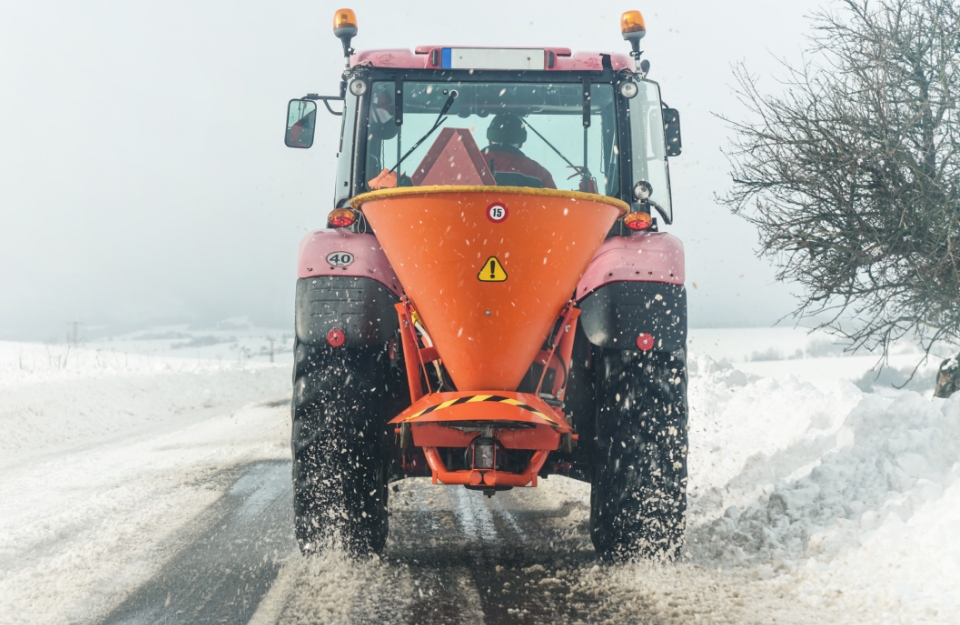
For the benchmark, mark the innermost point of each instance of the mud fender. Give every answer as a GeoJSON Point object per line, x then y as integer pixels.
{"type": "Point", "coordinates": [634, 286]}
{"type": "Point", "coordinates": [345, 283]}
{"type": "Point", "coordinates": [368, 259]}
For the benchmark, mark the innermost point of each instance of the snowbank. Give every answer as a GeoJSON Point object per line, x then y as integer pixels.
{"type": "Point", "coordinates": [850, 502]}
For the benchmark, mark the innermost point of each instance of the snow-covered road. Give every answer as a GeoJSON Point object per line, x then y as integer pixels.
{"type": "Point", "coordinates": [105, 471]}
{"type": "Point", "coordinates": [159, 492]}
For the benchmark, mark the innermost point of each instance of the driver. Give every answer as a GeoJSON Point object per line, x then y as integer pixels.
{"type": "Point", "coordinates": [506, 134]}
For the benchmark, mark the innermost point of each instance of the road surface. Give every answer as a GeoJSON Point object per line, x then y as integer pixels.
{"type": "Point", "coordinates": [454, 556]}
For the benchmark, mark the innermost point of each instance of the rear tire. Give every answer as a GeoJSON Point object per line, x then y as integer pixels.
{"type": "Point", "coordinates": [339, 468]}
{"type": "Point", "coordinates": [638, 493]}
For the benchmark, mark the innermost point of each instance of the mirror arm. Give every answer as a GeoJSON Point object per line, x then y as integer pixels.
{"type": "Point", "coordinates": [326, 101]}
{"type": "Point", "coordinates": [332, 112]}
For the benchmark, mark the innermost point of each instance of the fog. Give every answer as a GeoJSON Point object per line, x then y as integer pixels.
{"type": "Point", "coordinates": [145, 180]}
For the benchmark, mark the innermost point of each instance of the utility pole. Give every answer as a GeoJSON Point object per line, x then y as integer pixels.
{"type": "Point", "coordinates": [271, 348]}
{"type": "Point", "coordinates": [73, 336]}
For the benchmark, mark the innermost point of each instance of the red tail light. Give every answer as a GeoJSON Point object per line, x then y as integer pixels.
{"type": "Point", "coordinates": [638, 221]}
{"type": "Point", "coordinates": [341, 218]}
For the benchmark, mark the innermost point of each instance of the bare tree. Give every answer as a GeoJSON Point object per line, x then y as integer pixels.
{"type": "Point", "coordinates": [851, 172]}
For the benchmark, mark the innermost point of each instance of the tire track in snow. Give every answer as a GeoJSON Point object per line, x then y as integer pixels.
{"type": "Point", "coordinates": [222, 576]}
{"type": "Point", "coordinates": [518, 561]}
{"type": "Point", "coordinates": [419, 578]}
{"type": "Point", "coordinates": [441, 588]}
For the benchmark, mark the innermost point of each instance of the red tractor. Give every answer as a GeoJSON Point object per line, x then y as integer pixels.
{"type": "Point", "coordinates": [491, 300]}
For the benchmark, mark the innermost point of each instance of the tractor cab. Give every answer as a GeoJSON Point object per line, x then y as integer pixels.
{"type": "Point", "coordinates": [521, 117]}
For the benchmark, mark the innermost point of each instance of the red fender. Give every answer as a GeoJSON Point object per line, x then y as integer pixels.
{"type": "Point", "coordinates": [641, 257]}
{"type": "Point", "coordinates": [369, 261]}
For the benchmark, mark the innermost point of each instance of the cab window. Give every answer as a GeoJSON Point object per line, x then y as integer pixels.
{"type": "Point", "coordinates": [508, 134]}
{"type": "Point", "coordinates": [649, 158]}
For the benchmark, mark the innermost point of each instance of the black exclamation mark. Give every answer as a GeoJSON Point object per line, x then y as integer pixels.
{"type": "Point", "coordinates": [493, 268]}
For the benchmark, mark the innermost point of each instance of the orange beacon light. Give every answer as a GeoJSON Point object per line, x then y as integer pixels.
{"type": "Point", "coordinates": [345, 29]}
{"type": "Point", "coordinates": [633, 29]}
{"type": "Point", "coordinates": [632, 25]}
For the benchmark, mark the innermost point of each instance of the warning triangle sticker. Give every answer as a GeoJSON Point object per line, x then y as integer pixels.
{"type": "Point", "coordinates": [492, 271]}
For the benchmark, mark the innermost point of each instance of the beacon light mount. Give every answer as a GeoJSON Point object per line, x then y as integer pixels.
{"type": "Point", "coordinates": [633, 29]}
{"type": "Point", "coordinates": [345, 29]}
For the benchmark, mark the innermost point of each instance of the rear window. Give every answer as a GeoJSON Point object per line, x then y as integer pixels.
{"type": "Point", "coordinates": [508, 134]}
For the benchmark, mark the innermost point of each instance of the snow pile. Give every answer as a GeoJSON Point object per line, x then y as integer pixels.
{"type": "Point", "coordinates": [855, 508]}
{"type": "Point", "coordinates": [737, 420]}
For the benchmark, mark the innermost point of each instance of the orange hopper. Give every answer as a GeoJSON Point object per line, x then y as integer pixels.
{"type": "Point", "coordinates": [488, 284]}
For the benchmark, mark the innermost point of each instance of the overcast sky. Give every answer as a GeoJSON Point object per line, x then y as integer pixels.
{"type": "Point", "coordinates": [144, 180]}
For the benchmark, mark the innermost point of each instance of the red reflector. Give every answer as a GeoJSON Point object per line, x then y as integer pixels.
{"type": "Point", "coordinates": [336, 337]}
{"type": "Point", "coordinates": [645, 342]}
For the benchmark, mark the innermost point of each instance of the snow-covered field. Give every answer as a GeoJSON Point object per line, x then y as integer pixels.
{"type": "Point", "coordinates": [817, 494]}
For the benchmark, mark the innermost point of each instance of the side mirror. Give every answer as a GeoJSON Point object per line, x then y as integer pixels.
{"type": "Point", "coordinates": [301, 123]}
{"type": "Point", "coordinates": [671, 131]}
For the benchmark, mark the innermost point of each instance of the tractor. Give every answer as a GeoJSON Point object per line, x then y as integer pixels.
{"type": "Point", "coordinates": [492, 300]}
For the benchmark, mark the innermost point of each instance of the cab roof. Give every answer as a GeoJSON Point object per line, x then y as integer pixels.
{"type": "Point", "coordinates": [485, 58]}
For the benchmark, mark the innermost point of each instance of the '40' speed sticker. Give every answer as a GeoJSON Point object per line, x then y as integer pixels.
{"type": "Point", "coordinates": [340, 259]}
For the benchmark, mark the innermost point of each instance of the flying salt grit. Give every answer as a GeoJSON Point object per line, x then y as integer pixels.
{"type": "Point", "coordinates": [455, 321]}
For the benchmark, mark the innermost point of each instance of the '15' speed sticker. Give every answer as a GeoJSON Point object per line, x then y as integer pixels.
{"type": "Point", "coordinates": [497, 212]}
{"type": "Point", "coordinates": [340, 259]}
